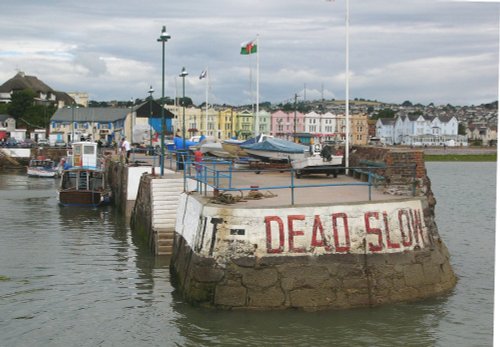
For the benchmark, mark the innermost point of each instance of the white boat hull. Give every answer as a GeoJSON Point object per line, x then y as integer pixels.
{"type": "Point", "coordinates": [275, 156]}
{"type": "Point", "coordinates": [35, 172]}
{"type": "Point", "coordinates": [317, 165]}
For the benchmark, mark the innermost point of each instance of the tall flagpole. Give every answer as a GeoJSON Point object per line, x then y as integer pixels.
{"type": "Point", "coordinates": [257, 87]}
{"type": "Point", "coordinates": [347, 120]}
{"type": "Point", "coordinates": [206, 103]}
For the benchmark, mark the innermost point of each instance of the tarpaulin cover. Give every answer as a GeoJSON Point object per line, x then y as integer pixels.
{"type": "Point", "coordinates": [276, 145]}
{"type": "Point", "coordinates": [155, 123]}
{"type": "Point", "coordinates": [178, 143]}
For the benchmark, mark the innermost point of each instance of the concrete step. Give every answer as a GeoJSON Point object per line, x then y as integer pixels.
{"type": "Point", "coordinates": [165, 250]}
{"type": "Point", "coordinates": [164, 225]}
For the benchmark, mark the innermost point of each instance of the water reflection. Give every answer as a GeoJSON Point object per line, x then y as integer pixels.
{"type": "Point", "coordinates": [81, 277]}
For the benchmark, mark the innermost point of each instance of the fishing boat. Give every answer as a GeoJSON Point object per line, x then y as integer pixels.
{"type": "Point", "coordinates": [41, 167]}
{"type": "Point", "coordinates": [319, 160]}
{"type": "Point", "coordinates": [274, 149]}
{"type": "Point", "coordinates": [85, 182]}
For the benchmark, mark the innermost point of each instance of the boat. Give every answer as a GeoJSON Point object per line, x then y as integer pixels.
{"type": "Point", "coordinates": [274, 149]}
{"type": "Point", "coordinates": [84, 181]}
{"type": "Point", "coordinates": [41, 167]}
{"type": "Point", "coordinates": [233, 146]}
{"type": "Point", "coordinates": [215, 149]}
{"type": "Point", "coordinates": [319, 160]}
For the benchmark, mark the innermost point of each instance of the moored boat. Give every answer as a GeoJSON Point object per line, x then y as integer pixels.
{"type": "Point", "coordinates": [274, 149]}
{"type": "Point", "coordinates": [84, 183]}
{"type": "Point", "coordinates": [41, 167]}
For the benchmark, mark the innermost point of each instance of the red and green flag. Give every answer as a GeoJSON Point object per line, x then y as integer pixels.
{"type": "Point", "coordinates": [248, 47]}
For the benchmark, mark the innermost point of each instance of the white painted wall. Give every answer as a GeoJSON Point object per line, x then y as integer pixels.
{"type": "Point", "coordinates": [384, 227]}
{"type": "Point", "coordinates": [17, 152]}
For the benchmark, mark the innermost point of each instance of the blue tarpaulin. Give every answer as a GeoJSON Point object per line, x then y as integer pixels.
{"type": "Point", "coordinates": [178, 142]}
{"type": "Point", "coordinates": [155, 123]}
{"type": "Point", "coordinates": [276, 145]}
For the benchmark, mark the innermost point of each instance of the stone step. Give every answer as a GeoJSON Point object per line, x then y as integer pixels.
{"type": "Point", "coordinates": [164, 250]}
{"type": "Point", "coordinates": [162, 243]}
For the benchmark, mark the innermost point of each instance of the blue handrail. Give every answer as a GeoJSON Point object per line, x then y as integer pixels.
{"type": "Point", "coordinates": [209, 173]}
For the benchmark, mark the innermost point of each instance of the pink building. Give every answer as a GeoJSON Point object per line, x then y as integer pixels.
{"type": "Point", "coordinates": [285, 124]}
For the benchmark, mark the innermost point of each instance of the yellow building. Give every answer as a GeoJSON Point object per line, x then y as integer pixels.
{"type": "Point", "coordinates": [227, 123]}
{"type": "Point", "coordinates": [358, 129]}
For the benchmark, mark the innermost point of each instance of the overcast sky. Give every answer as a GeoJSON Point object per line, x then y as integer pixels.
{"type": "Point", "coordinates": [418, 50]}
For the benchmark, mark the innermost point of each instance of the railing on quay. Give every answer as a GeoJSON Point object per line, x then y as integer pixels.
{"type": "Point", "coordinates": [218, 174]}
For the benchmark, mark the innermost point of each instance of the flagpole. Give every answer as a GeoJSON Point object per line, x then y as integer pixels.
{"type": "Point", "coordinates": [347, 120]}
{"type": "Point", "coordinates": [206, 103]}
{"type": "Point", "coordinates": [257, 87]}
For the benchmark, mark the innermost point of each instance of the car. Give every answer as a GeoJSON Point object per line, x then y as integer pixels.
{"type": "Point", "coordinates": [43, 142]}
{"type": "Point", "coordinates": [60, 143]}
{"type": "Point", "coordinates": [27, 143]}
{"type": "Point", "coordinates": [11, 142]}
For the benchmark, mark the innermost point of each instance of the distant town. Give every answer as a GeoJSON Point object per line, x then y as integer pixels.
{"type": "Point", "coordinates": [32, 113]}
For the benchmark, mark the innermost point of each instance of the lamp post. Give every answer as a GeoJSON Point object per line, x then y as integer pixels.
{"type": "Point", "coordinates": [73, 106]}
{"type": "Point", "coordinates": [72, 123]}
{"type": "Point", "coordinates": [164, 37]}
{"type": "Point", "coordinates": [150, 91]}
{"type": "Point", "coordinates": [131, 140]}
{"type": "Point", "coordinates": [183, 74]}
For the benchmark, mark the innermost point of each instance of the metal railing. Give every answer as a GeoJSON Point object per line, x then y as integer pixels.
{"type": "Point", "coordinates": [218, 174]}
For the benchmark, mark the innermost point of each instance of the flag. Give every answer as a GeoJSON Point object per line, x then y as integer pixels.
{"type": "Point", "coordinates": [203, 74]}
{"type": "Point", "coordinates": [248, 47]}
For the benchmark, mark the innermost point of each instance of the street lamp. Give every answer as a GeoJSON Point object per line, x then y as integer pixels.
{"type": "Point", "coordinates": [132, 125]}
{"type": "Point", "coordinates": [183, 74]}
{"type": "Point", "coordinates": [150, 91]}
{"type": "Point", "coordinates": [164, 37]}
{"type": "Point", "coordinates": [73, 106]}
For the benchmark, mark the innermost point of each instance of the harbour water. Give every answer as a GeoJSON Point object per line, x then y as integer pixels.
{"type": "Point", "coordinates": [80, 277]}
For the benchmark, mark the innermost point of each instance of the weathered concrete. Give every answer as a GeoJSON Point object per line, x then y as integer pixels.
{"type": "Point", "coordinates": [314, 256]}
{"type": "Point", "coordinates": [155, 209]}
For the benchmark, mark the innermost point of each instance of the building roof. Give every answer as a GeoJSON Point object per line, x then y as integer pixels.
{"type": "Point", "coordinates": [20, 82]}
{"type": "Point", "coordinates": [90, 114]}
{"type": "Point", "coordinates": [4, 117]}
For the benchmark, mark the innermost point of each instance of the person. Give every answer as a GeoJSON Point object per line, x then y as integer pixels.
{"type": "Point", "coordinates": [198, 158]}
{"type": "Point", "coordinates": [125, 147]}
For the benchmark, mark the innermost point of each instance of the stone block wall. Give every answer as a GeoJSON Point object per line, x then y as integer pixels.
{"type": "Point", "coordinates": [141, 220]}
{"type": "Point", "coordinates": [330, 281]}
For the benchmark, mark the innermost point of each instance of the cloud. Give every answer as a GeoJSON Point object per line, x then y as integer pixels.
{"type": "Point", "coordinates": [399, 50]}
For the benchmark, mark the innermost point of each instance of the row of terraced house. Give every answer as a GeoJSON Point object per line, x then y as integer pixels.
{"type": "Point", "coordinates": [142, 123]}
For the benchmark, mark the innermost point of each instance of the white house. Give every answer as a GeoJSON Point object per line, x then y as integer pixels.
{"type": "Point", "coordinates": [420, 130]}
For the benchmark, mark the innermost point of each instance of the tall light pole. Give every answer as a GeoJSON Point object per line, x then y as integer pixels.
{"type": "Point", "coordinates": [72, 123]}
{"type": "Point", "coordinates": [347, 120]}
{"type": "Point", "coordinates": [73, 106]}
{"type": "Point", "coordinates": [164, 37]}
{"type": "Point", "coordinates": [183, 74]}
{"type": "Point", "coordinates": [150, 91]}
{"type": "Point", "coordinates": [131, 140]}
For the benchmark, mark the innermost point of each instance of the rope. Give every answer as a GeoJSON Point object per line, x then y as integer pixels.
{"type": "Point", "coordinates": [228, 199]}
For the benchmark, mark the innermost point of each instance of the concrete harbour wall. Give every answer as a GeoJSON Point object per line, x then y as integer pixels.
{"type": "Point", "coordinates": [316, 257]}
{"type": "Point", "coordinates": [309, 257]}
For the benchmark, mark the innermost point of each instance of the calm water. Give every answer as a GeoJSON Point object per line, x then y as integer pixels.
{"type": "Point", "coordinates": [79, 277]}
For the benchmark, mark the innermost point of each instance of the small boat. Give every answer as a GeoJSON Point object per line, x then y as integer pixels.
{"type": "Point", "coordinates": [85, 182]}
{"type": "Point", "coordinates": [233, 146]}
{"type": "Point", "coordinates": [319, 160]}
{"type": "Point", "coordinates": [274, 149]}
{"type": "Point", "coordinates": [42, 167]}
{"type": "Point", "coordinates": [215, 149]}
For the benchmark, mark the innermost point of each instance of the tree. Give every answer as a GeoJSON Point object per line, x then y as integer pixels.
{"type": "Point", "coordinates": [20, 101]}
{"type": "Point", "coordinates": [462, 129]}
{"type": "Point", "coordinates": [385, 113]}
{"type": "Point", "coordinates": [407, 103]}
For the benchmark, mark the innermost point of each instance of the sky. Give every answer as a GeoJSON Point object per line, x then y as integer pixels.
{"type": "Point", "coordinates": [418, 50]}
